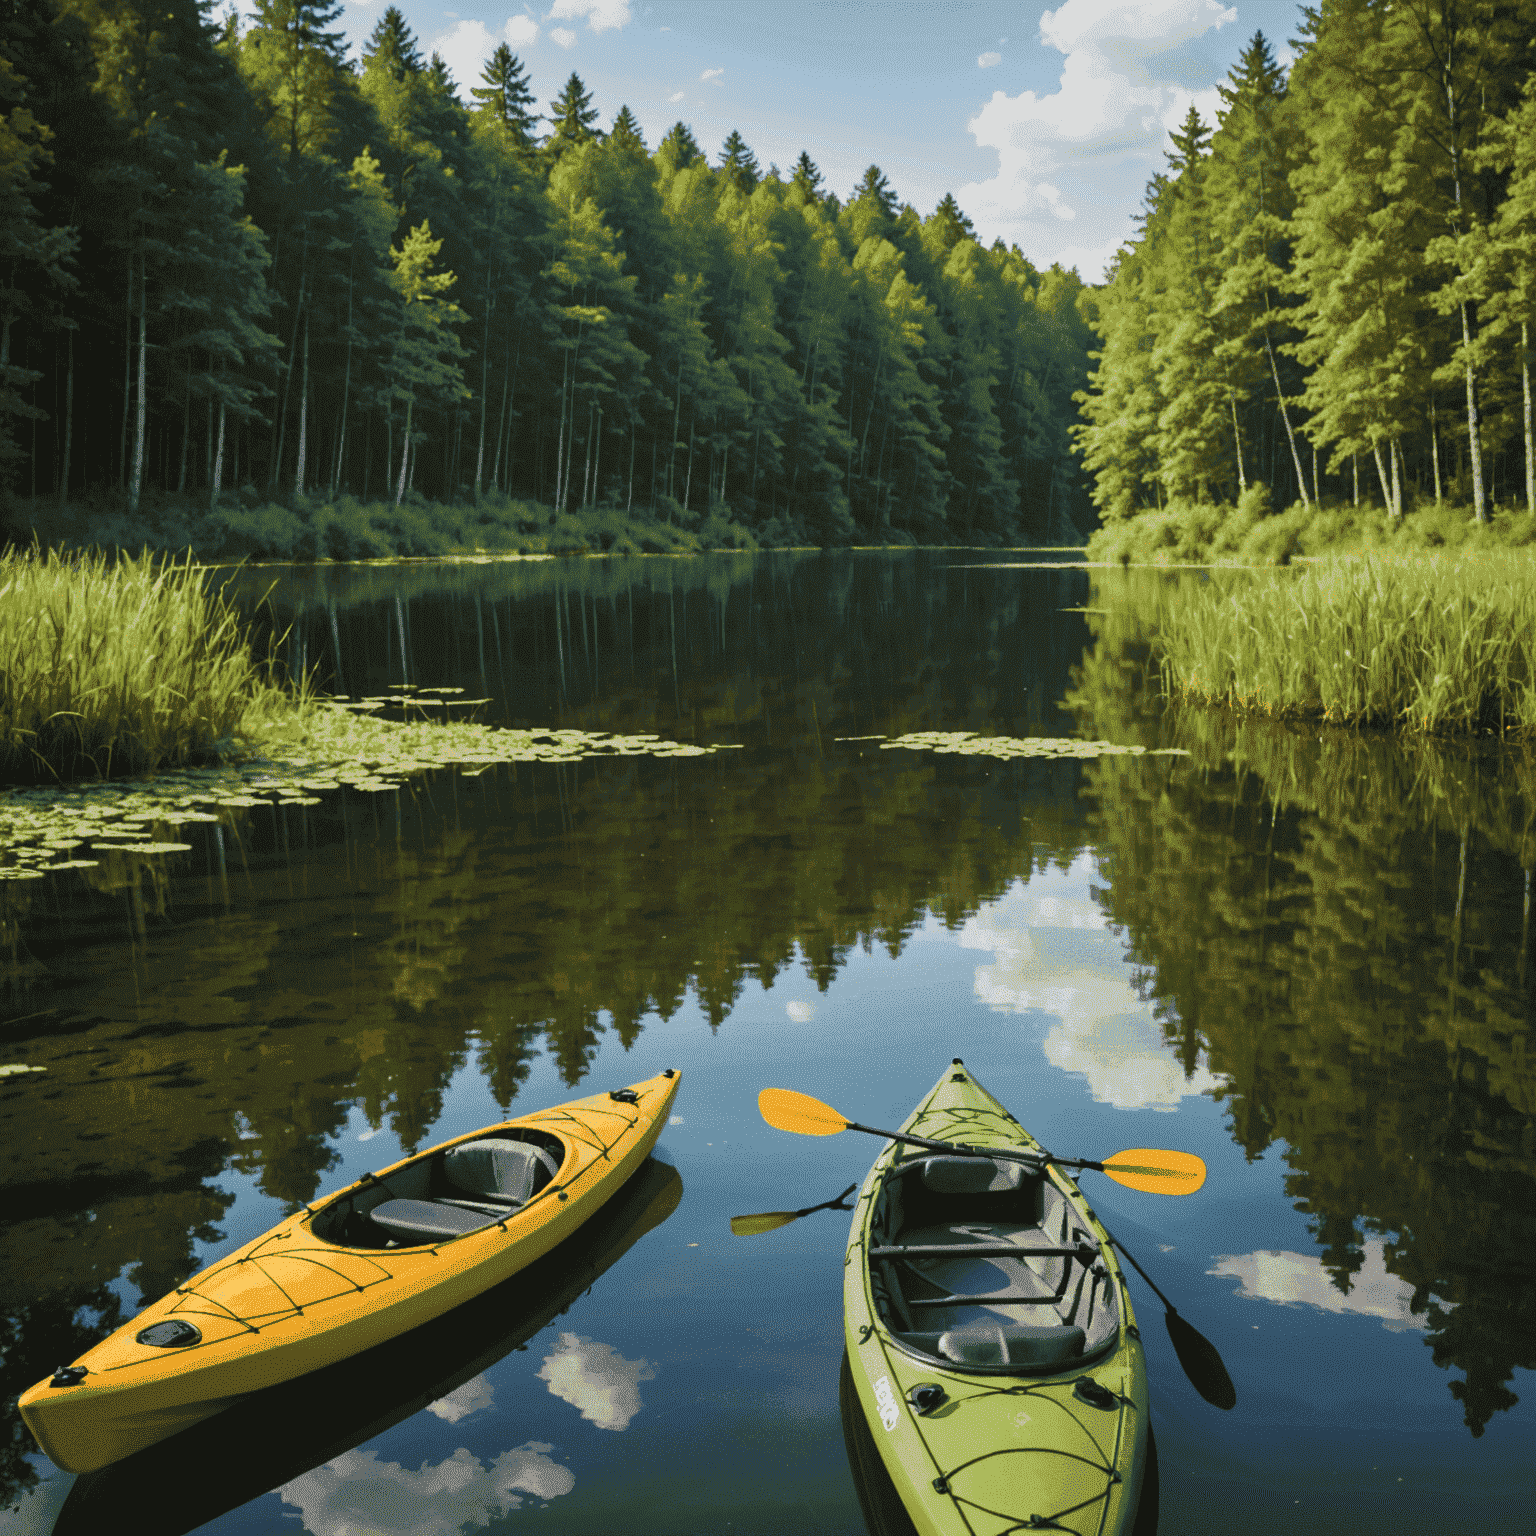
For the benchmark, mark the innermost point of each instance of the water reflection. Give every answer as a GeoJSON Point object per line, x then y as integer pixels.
{"type": "Point", "coordinates": [1329, 938]}
{"type": "Point", "coordinates": [596, 1380]}
{"type": "Point", "coordinates": [1299, 1279]}
{"type": "Point", "coordinates": [358, 1492]}
{"type": "Point", "coordinates": [1056, 955]}
{"type": "Point", "coordinates": [1340, 926]}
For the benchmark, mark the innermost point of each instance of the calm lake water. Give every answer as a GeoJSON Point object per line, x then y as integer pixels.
{"type": "Point", "coordinates": [1305, 958]}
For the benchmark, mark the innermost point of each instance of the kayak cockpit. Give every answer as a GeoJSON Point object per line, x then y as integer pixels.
{"type": "Point", "coordinates": [443, 1194]}
{"type": "Point", "coordinates": [985, 1265]}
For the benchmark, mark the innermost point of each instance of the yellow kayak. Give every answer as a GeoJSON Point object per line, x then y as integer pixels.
{"type": "Point", "coordinates": [349, 1271]}
{"type": "Point", "coordinates": [271, 1438]}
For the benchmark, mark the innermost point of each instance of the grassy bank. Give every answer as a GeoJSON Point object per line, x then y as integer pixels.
{"type": "Point", "coordinates": [111, 668]}
{"type": "Point", "coordinates": [1441, 643]}
{"type": "Point", "coordinates": [255, 527]}
{"type": "Point", "coordinates": [1187, 533]}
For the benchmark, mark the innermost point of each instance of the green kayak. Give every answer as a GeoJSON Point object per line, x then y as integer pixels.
{"type": "Point", "coordinates": [991, 1343]}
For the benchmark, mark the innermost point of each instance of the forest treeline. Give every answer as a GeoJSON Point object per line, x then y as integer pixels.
{"type": "Point", "coordinates": [1331, 290]}
{"type": "Point", "coordinates": [234, 259]}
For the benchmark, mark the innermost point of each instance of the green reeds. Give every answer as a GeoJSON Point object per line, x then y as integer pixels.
{"type": "Point", "coordinates": [113, 667]}
{"type": "Point", "coordinates": [1427, 644]}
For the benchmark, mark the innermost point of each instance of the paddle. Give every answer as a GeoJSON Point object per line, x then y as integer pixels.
{"type": "Point", "coordinates": [1152, 1170]}
{"type": "Point", "coordinates": [1207, 1375]}
{"type": "Point", "coordinates": [771, 1221]}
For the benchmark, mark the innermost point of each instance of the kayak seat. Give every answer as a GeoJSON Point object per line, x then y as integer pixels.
{"type": "Point", "coordinates": [414, 1222]}
{"type": "Point", "coordinates": [988, 1343]}
{"type": "Point", "coordinates": [486, 1181]}
{"type": "Point", "coordinates": [971, 1175]}
{"type": "Point", "coordinates": [501, 1172]}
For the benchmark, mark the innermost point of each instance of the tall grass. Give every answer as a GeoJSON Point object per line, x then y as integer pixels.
{"type": "Point", "coordinates": [1429, 644]}
{"type": "Point", "coordinates": [121, 667]}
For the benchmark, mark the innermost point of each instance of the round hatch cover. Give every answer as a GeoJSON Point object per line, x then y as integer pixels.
{"type": "Point", "coordinates": [170, 1335]}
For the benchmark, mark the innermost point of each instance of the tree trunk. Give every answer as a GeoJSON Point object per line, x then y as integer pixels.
{"type": "Point", "coordinates": [405, 451]}
{"type": "Point", "coordinates": [346, 391]}
{"type": "Point", "coordinates": [1397, 484]}
{"type": "Point", "coordinates": [1381, 474]}
{"type": "Point", "coordinates": [1317, 490]}
{"type": "Point", "coordinates": [1354, 460]}
{"type": "Point", "coordinates": [69, 420]}
{"type": "Point", "coordinates": [1434, 447]}
{"type": "Point", "coordinates": [1525, 386]}
{"type": "Point", "coordinates": [1237, 443]}
{"type": "Point", "coordinates": [217, 482]}
{"type": "Point", "coordinates": [122, 438]}
{"type": "Point", "coordinates": [688, 478]}
{"type": "Point", "coordinates": [142, 405]}
{"type": "Point", "coordinates": [298, 476]}
{"type": "Point", "coordinates": [1285, 416]}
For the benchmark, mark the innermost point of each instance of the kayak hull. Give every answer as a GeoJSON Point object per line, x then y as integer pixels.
{"type": "Point", "coordinates": [983, 1447]}
{"type": "Point", "coordinates": [294, 1300]}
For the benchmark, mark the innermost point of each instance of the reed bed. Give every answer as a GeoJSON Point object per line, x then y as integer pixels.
{"type": "Point", "coordinates": [1433, 644]}
{"type": "Point", "coordinates": [115, 667]}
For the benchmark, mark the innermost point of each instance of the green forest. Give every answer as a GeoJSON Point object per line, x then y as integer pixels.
{"type": "Point", "coordinates": [1331, 288]}
{"type": "Point", "coordinates": [239, 267]}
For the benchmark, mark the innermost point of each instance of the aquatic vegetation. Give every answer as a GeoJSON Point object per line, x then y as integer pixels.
{"type": "Point", "coordinates": [969, 744]}
{"type": "Point", "coordinates": [120, 667]}
{"type": "Point", "coordinates": [307, 753]}
{"type": "Point", "coordinates": [1443, 644]}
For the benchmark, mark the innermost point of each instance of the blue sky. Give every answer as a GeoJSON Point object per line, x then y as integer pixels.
{"type": "Point", "coordinates": [1045, 122]}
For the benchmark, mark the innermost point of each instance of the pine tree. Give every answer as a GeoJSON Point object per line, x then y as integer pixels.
{"type": "Point", "coordinates": [738, 164]}
{"type": "Point", "coordinates": [392, 46]}
{"type": "Point", "coordinates": [679, 147]}
{"type": "Point", "coordinates": [806, 176]}
{"type": "Point", "coordinates": [1253, 154]}
{"type": "Point", "coordinates": [874, 188]}
{"type": "Point", "coordinates": [952, 224]}
{"type": "Point", "coordinates": [625, 132]}
{"type": "Point", "coordinates": [571, 116]}
{"type": "Point", "coordinates": [506, 96]}
{"type": "Point", "coordinates": [424, 364]}
{"type": "Point", "coordinates": [443, 85]}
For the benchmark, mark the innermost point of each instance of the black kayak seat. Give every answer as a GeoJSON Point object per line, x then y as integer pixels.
{"type": "Point", "coordinates": [426, 1221]}
{"type": "Point", "coordinates": [971, 1175]}
{"type": "Point", "coordinates": [499, 1176]}
{"type": "Point", "coordinates": [989, 1343]}
{"type": "Point", "coordinates": [501, 1170]}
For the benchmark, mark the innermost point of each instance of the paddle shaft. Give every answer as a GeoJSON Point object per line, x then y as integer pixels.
{"type": "Point", "coordinates": [1126, 1253]}
{"type": "Point", "coordinates": [1036, 1160]}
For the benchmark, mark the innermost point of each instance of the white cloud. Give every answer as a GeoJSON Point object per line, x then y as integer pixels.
{"type": "Point", "coordinates": [465, 50]}
{"type": "Point", "coordinates": [675, 96]}
{"type": "Point", "coordinates": [712, 74]}
{"type": "Point", "coordinates": [599, 15]}
{"type": "Point", "coordinates": [595, 1379]}
{"type": "Point", "coordinates": [1297, 1279]}
{"type": "Point", "coordinates": [988, 60]}
{"type": "Point", "coordinates": [801, 1013]}
{"type": "Point", "coordinates": [521, 31]}
{"type": "Point", "coordinates": [1054, 953]}
{"type": "Point", "coordinates": [564, 36]}
{"type": "Point", "coordinates": [1120, 91]}
{"type": "Point", "coordinates": [357, 1492]}
{"type": "Point", "coordinates": [475, 1395]}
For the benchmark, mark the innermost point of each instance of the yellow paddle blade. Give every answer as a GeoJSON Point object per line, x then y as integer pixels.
{"type": "Point", "coordinates": [786, 1110]}
{"type": "Point", "coordinates": [1156, 1171]}
{"type": "Point", "coordinates": [764, 1221]}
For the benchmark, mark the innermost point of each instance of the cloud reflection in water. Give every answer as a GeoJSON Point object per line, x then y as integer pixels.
{"type": "Point", "coordinates": [595, 1379]}
{"type": "Point", "coordinates": [1298, 1279]}
{"type": "Point", "coordinates": [357, 1493]}
{"type": "Point", "coordinates": [1054, 953]}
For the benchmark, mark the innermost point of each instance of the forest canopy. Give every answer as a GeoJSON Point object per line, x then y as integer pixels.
{"type": "Point", "coordinates": [1331, 289]}
{"type": "Point", "coordinates": [236, 259]}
